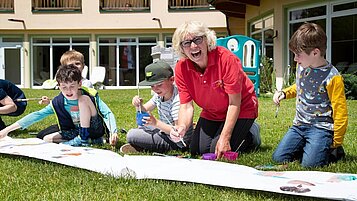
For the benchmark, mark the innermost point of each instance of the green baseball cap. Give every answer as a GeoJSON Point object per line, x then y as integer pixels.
{"type": "Point", "coordinates": [156, 73]}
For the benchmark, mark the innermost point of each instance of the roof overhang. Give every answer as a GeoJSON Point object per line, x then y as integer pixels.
{"type": "Point", "coordinates": [233, 8]}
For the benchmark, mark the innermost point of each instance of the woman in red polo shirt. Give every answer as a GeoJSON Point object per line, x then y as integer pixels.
{"type": "Point", "coordinates": [213, 78]}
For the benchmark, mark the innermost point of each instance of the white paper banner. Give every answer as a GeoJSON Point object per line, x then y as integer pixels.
{"type": "Point", "coordinates": [337, 186]}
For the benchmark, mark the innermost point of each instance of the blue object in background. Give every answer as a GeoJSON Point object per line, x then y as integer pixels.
{"type": "Point", "coordinates": [248, 51]}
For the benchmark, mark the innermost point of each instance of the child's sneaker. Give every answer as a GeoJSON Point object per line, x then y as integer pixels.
{"type": "Point", "coordinates": [77, 142]}
{"type": "Point", "coordinates": [255, 130]}
{"type": "Point", "coordinates": [336, 154]}
{"type": "Point", "coordinates": [129, 149]}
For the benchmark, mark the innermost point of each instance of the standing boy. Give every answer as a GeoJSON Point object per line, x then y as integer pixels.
{"type": "Point", "coordinates": [321, 111]}
{"type": "Point", "coordinates": [80, 113]}
{"type": "Point", "coordinates": [8, 104]}
{"type": "Point", "coordinates": [155, 134]}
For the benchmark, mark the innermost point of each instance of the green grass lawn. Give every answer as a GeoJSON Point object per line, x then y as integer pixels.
{"type": "Point", "coordinates": [24, 178]}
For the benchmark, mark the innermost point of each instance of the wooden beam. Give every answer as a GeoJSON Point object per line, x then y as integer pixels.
{"type": "Point", "coordinates": [236, 7]}
{"type": "Point", "coordinates": [233, 14]}
{"type": "Point", "coordinates": [231, 9]}
{"type": "Point", "coordinates": [247, 2]}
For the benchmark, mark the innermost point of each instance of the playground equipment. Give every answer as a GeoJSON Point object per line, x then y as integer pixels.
{"type": "Point", "coordinates": [248, 51]}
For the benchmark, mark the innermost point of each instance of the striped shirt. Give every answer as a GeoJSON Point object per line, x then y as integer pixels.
{"type": "Point", "coordinates": [168, 110]}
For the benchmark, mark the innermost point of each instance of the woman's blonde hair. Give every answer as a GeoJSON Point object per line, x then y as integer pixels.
{"type": "Point", "coordinates": [194, 28]}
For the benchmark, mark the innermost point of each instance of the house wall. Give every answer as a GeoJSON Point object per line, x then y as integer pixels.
{"type": "Point", "coordinates": [91, 18]}
{"type": "Point", "coordinates": [91, 22]}
{"type": "Point", "coordinates": [237, 26]}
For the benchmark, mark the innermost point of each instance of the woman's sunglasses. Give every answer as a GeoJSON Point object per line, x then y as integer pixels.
{"type": "Point", "coordinates": [197, 40]}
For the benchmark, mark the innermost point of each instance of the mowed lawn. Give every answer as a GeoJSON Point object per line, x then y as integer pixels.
{"type": "Point", "coordinates": [24, 178]}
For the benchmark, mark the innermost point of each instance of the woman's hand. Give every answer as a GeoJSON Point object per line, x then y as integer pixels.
{"type": "Point", "coordinates": [222, 146]}
{"type": "Point", "coordinates": [177, 133]}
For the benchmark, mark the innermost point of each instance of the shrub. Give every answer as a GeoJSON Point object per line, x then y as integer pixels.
{"type": "Point", "coordinates": [350, 81]}
{"type": "Point", "coordinates": [266, 75]}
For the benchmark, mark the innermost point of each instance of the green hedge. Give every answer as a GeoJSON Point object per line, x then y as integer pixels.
{"type": "Point", "coordinates": [350, 81]}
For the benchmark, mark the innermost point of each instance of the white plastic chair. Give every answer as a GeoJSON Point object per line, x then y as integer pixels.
{"type": "Point", "coordinates": [97, 77]}
{"type": "Point", "coordinates": [85, 72]}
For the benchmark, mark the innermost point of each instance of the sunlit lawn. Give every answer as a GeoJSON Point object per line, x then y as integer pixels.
{"type": "Point", "coordinates": [31, 179]}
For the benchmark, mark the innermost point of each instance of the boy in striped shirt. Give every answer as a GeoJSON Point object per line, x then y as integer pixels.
{"type": "Point", "coordinates": [154, 134]}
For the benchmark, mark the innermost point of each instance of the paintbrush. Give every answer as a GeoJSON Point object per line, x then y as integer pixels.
{"type": "Point", "coordinates": [26, 99]}
{"type": "Point", "coordinates": [111, 135]}
{"type": "Point", "coordinates": [276, 111]}
{"type": "Point", "coordinates": [239, 146]}
{"type": "Point", "coordinates": [279, 86]}
{"type": "Point", "coordinates": [278, 105]}
{"type": "Point", "coordinates": [139, 109]}
{"type": "Point", "coordinates": [181, 139]}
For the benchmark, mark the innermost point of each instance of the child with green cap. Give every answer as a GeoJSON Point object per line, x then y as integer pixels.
{"type": "Point", "coordinates": [154, 134]}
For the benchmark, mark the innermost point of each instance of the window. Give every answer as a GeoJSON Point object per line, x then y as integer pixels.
{"type": "Point", "coordinates": [344, 37]}
{"type": "Point", "coordinates": [124, 6]}
{"type": "Point", "coordinates": [125, 59]}
{"type": "Point", "coordinates": [47, 52]}
{"type": "Point", "coordinates": [168, 41]}
{"type": "Point", "coordinates": [307, 13]}
{"type": "Point", "coordinates": [263, 30]}
{"type": "Point", "coordinates": [56, 5]}
{"type": "Point", "coordinates": [7, 6]}
{"type": "Point", "coordinates": [189, 5]}
{"type": "Point", "coordinates": [341, 31]}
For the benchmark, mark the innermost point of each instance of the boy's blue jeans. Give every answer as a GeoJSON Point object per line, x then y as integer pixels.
{"type": "Point", "coordinates": [308, 143]}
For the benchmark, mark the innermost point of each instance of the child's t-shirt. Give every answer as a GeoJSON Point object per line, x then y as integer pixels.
{"type": "Point", "coordinates": [168, 110]}
{"type": "Point", "coordinates": [34, 117]}
{"type": "Point", "coordinates": [313, 105]}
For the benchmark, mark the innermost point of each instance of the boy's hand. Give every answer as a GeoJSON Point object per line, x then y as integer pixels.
{"type": "Point", "coordinates": [113, 139]}
{"type": "Point", "coordinates": [151, 120]}
{"type": "Point", "coordinates": [44, 100]}
{"type": "Point", "coordinates": [279, 95]}
{"type": "Point", "coordinates": [3, 133]}
{"type": "Point", "coordinates": [137, 101]}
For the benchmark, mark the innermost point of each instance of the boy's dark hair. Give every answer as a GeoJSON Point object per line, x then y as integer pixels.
{"type": "Point", "coordinates": [308, 37]}
{"type": "Point", "coordinates": [68, 73]}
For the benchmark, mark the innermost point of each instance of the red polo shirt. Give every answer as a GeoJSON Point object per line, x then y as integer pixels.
{"type": "Point", "coordinates": [224, 75]}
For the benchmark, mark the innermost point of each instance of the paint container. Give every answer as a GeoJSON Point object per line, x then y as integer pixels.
{"type": "Point", "coordinates": [230, 155]}
{"type": "Point", "coordinates": [140, 116]}
{"type": "Point", "coordinates": [209, 156]}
